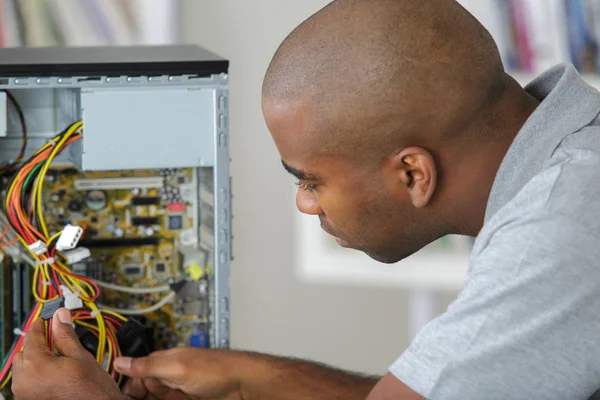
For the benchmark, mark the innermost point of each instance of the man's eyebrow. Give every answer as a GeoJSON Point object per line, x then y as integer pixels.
{"type": "Point", "coordinates": [301, 175]}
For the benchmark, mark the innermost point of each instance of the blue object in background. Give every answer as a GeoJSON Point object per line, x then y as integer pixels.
{"type": "Point", "coordinates": [200, 339]}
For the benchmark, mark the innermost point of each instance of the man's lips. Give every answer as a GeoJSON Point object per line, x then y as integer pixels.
{"type": "Point", "coordinates": [339, 241]}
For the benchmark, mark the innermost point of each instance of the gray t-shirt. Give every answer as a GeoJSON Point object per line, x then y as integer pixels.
{"type": "Point", "coordinates": [527, 323]}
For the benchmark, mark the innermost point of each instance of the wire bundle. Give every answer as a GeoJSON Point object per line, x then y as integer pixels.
{"type": "Point", "coordinates": [106, 335]}
{"type": "Point", "coordinates": [52, 279]}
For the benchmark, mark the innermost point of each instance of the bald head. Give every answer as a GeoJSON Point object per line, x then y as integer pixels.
{"type": "Point", "coordinates": [372, 75]}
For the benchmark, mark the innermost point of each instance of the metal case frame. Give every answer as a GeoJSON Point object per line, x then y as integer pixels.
{"type": "Point", "coordinates": [217, 84]}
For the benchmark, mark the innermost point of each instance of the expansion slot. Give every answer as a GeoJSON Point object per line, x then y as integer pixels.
{"type": "Point", "coordinates": [114, 243]}
{"type": "Point", "coordinates": [151, 182]}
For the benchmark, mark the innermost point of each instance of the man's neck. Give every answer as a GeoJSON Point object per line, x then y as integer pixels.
{"type": "Point", "coordinates": [480, 163]}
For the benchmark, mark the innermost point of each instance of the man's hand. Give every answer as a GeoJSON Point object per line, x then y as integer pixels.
{"type": "Point", "coordinates": [181, 373]}
{"type": "Point", "coordinates": [190, 374]}
{"type": "Point", "coordinates": [39, 374]}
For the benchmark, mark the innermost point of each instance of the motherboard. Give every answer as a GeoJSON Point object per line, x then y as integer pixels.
{"type": "Point", "coordinates": [145, 229]}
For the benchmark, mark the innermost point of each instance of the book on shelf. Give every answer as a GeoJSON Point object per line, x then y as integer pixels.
{"type": "Point", "coordinates": [533, 35]}
{"type": "Point", "coordinates": [68, 22]}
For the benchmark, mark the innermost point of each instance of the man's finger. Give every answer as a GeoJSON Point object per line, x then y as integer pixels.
{"type": "Point", "coordinates": [64, 336]}
{"type": "Point", "coordinates": [147, 367]}
{"type": "Point", "coordinates": [35, 343]}
{"type": "Point", "coordinates": [135, 389]}
{"type": "Point", "coordinates": [161, 391]}
{"type": "Point", "coordinates": [17, 365]}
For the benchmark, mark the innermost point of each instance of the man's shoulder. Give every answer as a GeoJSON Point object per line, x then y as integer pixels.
{"type": "Point", "coordinates": [566, 188]}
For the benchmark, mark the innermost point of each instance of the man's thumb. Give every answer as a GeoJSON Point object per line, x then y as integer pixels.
{"type": "Point", "coordinates": [64, 336]}
{"type": "Point", "coordinates": [143, 367]}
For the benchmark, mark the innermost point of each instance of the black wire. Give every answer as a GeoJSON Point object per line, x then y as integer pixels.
{"type": "Point", "coordinates": [26, 194]}
{"type": "Point", "coordinates": [52, 244]}
{"type": "Point", "coordinates": [15, 103]}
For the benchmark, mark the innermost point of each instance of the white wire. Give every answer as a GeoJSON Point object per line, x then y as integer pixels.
{"type": "Point", "coordinates": [140, 311]}
{"type": "Point", "coordinates": [15, 250]}
{"type": "Point", "coordinates": [125, 289]}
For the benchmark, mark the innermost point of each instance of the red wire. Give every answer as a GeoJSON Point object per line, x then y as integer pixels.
{"type": "Point", "coordinates": [17, 224]}
{"type": "Point", "coordinates": [55, 275]}
{"type": "Point", "coordinates": [17, 348]}
{"type": "Point", "coordinates": [88, 280]}
{"type": "Point", "coordinates": [114, 351]}
{"type": "Point", "coordinates": [107, 319]}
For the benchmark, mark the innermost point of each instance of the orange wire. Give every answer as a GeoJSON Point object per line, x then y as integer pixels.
{"type": "Point", "coordinates": [9, 243]}
{"type": "Point", "coordinates": [24, 171]}
{"type": "Point", "coordinates": [17, 192]}
{"type": "Point", "coordinates": [4, 233]}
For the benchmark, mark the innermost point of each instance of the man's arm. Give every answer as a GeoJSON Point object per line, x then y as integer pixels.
{"type": "Point", "coordinates": [206, 373]}
{"type": "Point", "coordinates": [40, 374]}
{"type": "Point", "coordinates": [218, 373]}
{"type": "Point", "coordinates": [391, 388]}
{"type": "Point", "coordinates": [287, 378]}
{"type": "Point", "coordinates": [282, 378]}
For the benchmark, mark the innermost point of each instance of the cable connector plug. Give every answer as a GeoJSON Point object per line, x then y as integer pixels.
{"type": "Point", "coordinates": [38, 247]}
{"type": "Point", "coordinates": [76, 255]}
{"type": "Point", "coordinates": [72, 300]}
{"type": "Point", "coordinates": [176, 286]}
{"type": "Point", "coordinates": [50, 307]}
{"type": "Point", "coordinates": [69, 238]}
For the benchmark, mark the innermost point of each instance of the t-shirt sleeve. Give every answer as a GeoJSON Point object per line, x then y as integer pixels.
{"type": "Point", "coordinates": [525, 326]}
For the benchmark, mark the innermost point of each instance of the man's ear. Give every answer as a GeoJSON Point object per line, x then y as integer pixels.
{"type": "Point", "coordinates": [413, 171]}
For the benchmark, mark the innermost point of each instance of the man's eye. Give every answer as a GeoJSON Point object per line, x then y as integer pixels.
{"type": "Point", "coordinates": [305, 186]}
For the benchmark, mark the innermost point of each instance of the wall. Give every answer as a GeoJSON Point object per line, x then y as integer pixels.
{"type": "Point", "coordinates": [272, 310]}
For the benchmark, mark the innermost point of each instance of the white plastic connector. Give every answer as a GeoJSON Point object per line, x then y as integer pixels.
{"type": "Point", "coordinates": [72, 300]}
{"type": "Point", "coordinates": [47, 261]}
{"type": "Point", "coordinates": [76, 255]}
{"type": "Point", "coordinates": [69, 238]}
{"type": "Point", "coordinates": [38, 247]}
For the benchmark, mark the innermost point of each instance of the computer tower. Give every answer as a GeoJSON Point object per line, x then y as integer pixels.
{"type": "Point", "coordinates": [114, 166]}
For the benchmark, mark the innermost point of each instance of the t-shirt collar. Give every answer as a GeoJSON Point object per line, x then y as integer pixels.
{"type": "Point", "coordinates": [568, 103]}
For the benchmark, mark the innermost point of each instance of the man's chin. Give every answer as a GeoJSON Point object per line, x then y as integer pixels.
{"type": "Point", "coordinates": [377, 256]}
{"type": "Point", "coordinates": [386, 258]}
{"type": "Point", "coordinates": [342, 242]}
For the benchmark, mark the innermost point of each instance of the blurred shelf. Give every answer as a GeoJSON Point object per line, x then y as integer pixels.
{"type": "Point", "coordinates": [432, 272]}
{"type": "Point", "coordinates": [320, 261]}
{"type": "Point", "coordinates": [88, 22]}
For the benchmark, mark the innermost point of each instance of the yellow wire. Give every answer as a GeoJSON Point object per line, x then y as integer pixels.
{"type": "Point", "coordinates": [109, 359]}
{"type": "Point", "coordinates": [56, 235]}
{"type": "Point", "coordinates": [114, 314]}
{"type": "Point", "coordinates": [75, 281]}
{"type": "Point", "coordinates": [83, 287]}
{"type": "Point", "coordinates": [13, 184]}
{"type": "Point", "coordinates": [42, 299]}
{"type": "Point", "coordinates": [101, 331]}
{"type": "Point", "coordinates": [6, 380]}
{"type": "Point", "coordinates": [37, 190]}
{"type": "Point", "coordinates": [90, 326]}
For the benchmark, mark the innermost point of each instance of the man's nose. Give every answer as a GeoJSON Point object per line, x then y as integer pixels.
{"type": "Point", "coordinates": [307, 203]}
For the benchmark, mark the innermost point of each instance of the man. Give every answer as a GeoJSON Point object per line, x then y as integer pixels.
{"type": "Point", "coordinates": [399, 122]}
